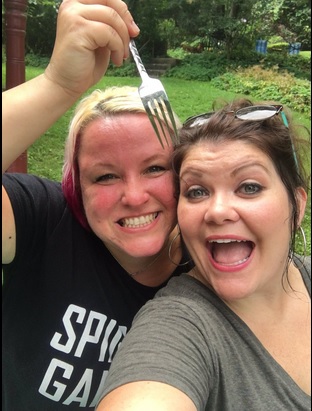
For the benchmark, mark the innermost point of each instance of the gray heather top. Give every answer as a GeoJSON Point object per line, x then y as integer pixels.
{"type": "Point", "coordinates": [188, 338]}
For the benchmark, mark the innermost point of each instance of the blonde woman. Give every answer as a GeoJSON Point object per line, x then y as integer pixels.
{"type": "Point", "coordinates": [82, 256]}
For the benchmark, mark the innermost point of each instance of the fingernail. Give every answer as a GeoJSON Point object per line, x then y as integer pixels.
{"type": "Point", "coordinates": [136, 28]}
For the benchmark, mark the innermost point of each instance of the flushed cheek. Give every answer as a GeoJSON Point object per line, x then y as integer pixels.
{"type": "Point", "coordinates": [99, 203]}
{"type": "Point", "coordinates": [161, 193]}
{"type": "Point", "coordinates": [168, 200]}
{"type": "Point", "coordinates": [163, 188]}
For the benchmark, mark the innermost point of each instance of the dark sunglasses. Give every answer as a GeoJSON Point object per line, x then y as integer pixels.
{"type": "Point", "coordinates": [252, 113]}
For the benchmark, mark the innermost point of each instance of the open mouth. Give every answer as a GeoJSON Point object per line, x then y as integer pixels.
{"type": "Point", "coordinates": [138, 222]}
{"type": "Point", "coordinates": [230, 252]}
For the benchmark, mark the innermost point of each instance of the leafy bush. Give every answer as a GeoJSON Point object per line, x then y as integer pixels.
{"type": "Point", "coordinates": [202, 67]}
{"type": "Point", "coordinates": [268, 84]}
{"type": "Point", "coordinates": [274, 76]}
{"type": "Point", "coordinates": [36, 61]}
{"type": "Point", "coordinates": [280, 47]}
{"type": "Point", "coordinates": [296, 64]}
{"type": "Point", "coordinates": [128, 69]}
{"type": "Point", "coordinates": [209, 64]}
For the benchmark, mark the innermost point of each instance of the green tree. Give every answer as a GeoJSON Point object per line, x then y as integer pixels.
{"type": "Point", "coordinates": [235, 25]}
{"type": "Point", "coordinates": [148, 15]}
{"type": "Point", "coordinates": [218, 23]}
{"type": "Point", "coordinates": [41, 26]}
{"type": "Point", "coordinates": [295, 17]}
{"type": "Point", "coordinates": [289, 19]}
{"type": "Point", "coordinates": [232, 25]}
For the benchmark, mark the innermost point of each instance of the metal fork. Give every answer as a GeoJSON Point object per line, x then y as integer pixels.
{"type": "Point", "coordinates": [154, 98]}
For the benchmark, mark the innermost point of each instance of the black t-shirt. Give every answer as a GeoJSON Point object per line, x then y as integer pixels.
{"type": "Point", "coordinates": [67, 304]}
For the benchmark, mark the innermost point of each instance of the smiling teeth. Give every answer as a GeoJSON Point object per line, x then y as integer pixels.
{"type": "Point", "coordinates": [137, 222]}
{"type": "Point", "coordinates": [235, 263]}
{"type": "Point", "coordinates": [227, 241]}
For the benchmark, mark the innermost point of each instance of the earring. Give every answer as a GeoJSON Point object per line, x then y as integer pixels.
{"type": "Point", "coordinates": [292, 252]}
{"type": "Point", "coordinates": [169, 251]}
{"type": "Point", "coordinates": [304, 239]}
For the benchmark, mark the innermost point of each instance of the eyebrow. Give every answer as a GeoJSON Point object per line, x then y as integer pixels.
{"type": "Point", "coordinates": [193, 172]}
{"type": "Point", "coordinates": [152, 158]}
{"type": "Point", "coordinates": [248, 165]}
{"type": "Point", "coordinates": [158, 156]}
{"type": "Point", "coordinates": [199, 173]}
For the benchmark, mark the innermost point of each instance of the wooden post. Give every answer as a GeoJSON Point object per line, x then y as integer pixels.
{"type": "Point", "coordinates": [15, 27]}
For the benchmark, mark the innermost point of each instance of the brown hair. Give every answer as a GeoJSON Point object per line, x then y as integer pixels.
{"type": "Point", "coordinates": [279, 142]}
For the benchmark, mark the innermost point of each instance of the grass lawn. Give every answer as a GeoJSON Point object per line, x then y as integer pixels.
{"type": "Point", "coordinates": [45, 157]}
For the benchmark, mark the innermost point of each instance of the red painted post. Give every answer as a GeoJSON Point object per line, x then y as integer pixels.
{"type": "Point", "coordinates": [15, 27]}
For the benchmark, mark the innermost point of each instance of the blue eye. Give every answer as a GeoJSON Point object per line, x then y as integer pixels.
{"type": "Point", "coordinates": [195, 193]}
{"type": "Point", "coordinates": [155, 169]}
{"type": "Point", "coordinates": [250, 188]}
{"type": "Point", "coordinates": [105, 177]}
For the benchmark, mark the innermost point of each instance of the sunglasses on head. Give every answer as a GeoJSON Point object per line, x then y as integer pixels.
{"type": "Point", "coordinates": [252, 113]}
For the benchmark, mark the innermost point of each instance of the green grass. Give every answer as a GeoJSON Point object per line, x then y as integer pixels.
{"type": "Point", "coordinates": [45, 157]}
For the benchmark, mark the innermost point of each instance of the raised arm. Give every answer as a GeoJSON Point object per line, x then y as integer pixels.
{"type": "Point", "coordinates": [89, 34]}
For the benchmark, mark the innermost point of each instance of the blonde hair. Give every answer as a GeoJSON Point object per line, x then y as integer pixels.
{"type": "Point", "coordinates": [100, 103]}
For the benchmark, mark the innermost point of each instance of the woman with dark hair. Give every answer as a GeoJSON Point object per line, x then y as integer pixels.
{"type": "Point", "coordinates": [234, 332]}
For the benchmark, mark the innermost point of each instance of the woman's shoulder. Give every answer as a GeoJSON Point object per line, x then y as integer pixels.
{"type": "Point", "coordinates": [186, 294]}
{"type": "Point", "coordinates": [184, 285]}
{"type": "Point", "coordinates": [303, 263]}
{"type": "Point", "coordinates": [28, 180]}
{"type": "Point", "coordinates": [307, 263]}
{"type": "Point", "coordinates": [34, 190]}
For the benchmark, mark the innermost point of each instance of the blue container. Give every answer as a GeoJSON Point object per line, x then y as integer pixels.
{"type": "Point", "coordinates": [261, 46]}
{"type": "Point", "coordinates": [294, 48]}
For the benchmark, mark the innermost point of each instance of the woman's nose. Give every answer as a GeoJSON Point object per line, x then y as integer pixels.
{"type": "Point", "coordinates": [134, 194]}
{"type": "Point", "coordinates": [221, 209]}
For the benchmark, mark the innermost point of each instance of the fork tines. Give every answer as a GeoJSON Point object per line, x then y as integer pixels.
{"type": "Point", "coordinates": [155, 101]}
{"type": "Point", "coordinates": [159, 107]}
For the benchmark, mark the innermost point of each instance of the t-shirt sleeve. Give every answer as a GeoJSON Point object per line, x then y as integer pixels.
{"type": "Point", "coordinates": [164, 344]}
{"type": "Point", "coordinates": [38, 205]}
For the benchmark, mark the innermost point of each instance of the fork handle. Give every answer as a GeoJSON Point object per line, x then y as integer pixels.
{"type": "Point", "coordinates": [137, 59]}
